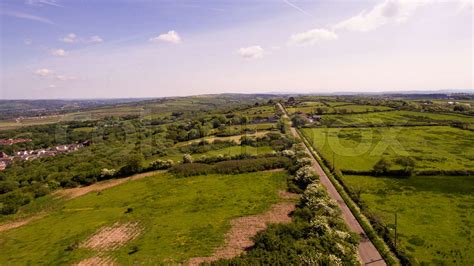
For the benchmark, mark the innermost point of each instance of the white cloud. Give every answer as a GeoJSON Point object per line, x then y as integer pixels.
{"type": "Point", "coordinates": [42, 3]}
{"type": "Point", "coordinates": [70, 38]}
{"type": "Point", "coordinates": [65, 78]}
{"type": "Point", "coordinates": [44, 72]}
{"type": "Point", "coordinates": [466, 5]}
{"type": "Point", "coordinates": [312, 36]}
{"type": "Point", "coordinates": [28, 42]}
{"type": "Point", "coordinates": [171, 36]}
{"type": "Point", "coordinates": [50, 74]}
{"type": "Point", "coordinates": [251, 52]}
{"type": "Point", "coordinates": [58, 52]}
{"type": "Point", "coordinates": [389, 11]}
{"type": "Point", "coordinates": [27, 16]}
{"type": "Point", "coordinates": [95, 39]}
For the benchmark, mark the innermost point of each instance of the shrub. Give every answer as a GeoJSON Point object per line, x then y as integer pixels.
{"type": "Point", "coordinates": [187, 158]}
{"type": "Point", "coordinates": [191, 169]}
{"type": "Point", "coordinates": [161, 164]}
{"type": "Point", "coordinates": [107, 173]}
{"type": "Point", "coordinates": [382, 166]}
{"type": "Point", "coordinates": [305, 176]}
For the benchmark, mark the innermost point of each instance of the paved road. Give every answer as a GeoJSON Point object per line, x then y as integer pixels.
{"type": "Point", "coordinates": [368, 254]}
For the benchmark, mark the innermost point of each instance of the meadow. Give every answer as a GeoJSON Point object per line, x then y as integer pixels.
{"type": "Point", "coordinates": [394, 118]}
{"type": "Point", "coordinates": [179, 218]}
{"type": "Point", "coordinates": [435, 214]}
{"type": "Point", "coordinates": [333, 109]}
{"type": "Point", "coordinates": [359, 149]}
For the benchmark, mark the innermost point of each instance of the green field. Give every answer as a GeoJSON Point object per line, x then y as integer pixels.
{"type": "Point", "coordinates": [236, 150]}
{"type": "Point", "coordinates": [180, 218]}
{"type": "Point", "coordinates": [435, 214]}
{"type": "Point", "coordinates": [344, 107]}
{"type": "Point", "coordinates": [433, 148]}
{"type": "Point", "coordinates": [394, 118]}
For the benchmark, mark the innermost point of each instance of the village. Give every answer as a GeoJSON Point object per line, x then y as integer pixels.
{"type": "Point", "coordinates": [28, 155]}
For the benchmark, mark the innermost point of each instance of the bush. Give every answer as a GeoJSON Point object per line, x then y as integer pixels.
{"type": "Point", "coordinates": [250, 165]}
{"type": "Point", "coordinates": [161, 164]}
{"type": "Point", "coordinates": [230, 166]}
{"type": "Point", "coordinates": [187, 158]}
{"type": "Point", "coordinates": [132, 165]}
{"type": "Point", "coordinates": [191, 169]}
{"type": "Point", "coordinates": [382, 166]}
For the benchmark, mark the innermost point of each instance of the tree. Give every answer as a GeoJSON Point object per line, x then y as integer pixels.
{"type": "Point", "coordinates": [132, 165]}
{"type": "Point", "coordinates": [299, 120]}
{"type": "Point", "coordinates": [461, 108]}
{"type": "Point", "coordinates": [382, 166]}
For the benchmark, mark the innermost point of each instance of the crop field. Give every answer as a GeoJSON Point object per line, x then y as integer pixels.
{"type": "Point", "coordinates": [433, 148]}
{"type": "Point", "coordinates": [170, 219]}
{"type": "Point", "coordinates": [435, 214]}
{"type": "Point", "coordinates": [394, 118]}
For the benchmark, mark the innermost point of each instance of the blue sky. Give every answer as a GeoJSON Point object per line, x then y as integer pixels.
{"type": "Point", "coordinates": [88, 49]}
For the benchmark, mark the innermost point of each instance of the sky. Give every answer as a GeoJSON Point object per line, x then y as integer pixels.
{"type": "Point", "coordinates": [144, 48]}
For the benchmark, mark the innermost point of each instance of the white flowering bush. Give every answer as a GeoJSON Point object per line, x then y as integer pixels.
{"type": "Point", "coordinates": [187, 158]}
{"type": "Point", "coordinates": [341, 234]}
{"type": "Point", "coordinates": [334, 260]}
{"type": "Point", "coordinates": [104, 173]}
{"type": "Point", "coordinates": [320, 226]}
{"type": "Point", "coordinates": [305, 175]}
{"type": "Point", "coordinates": [162, 164]}
{"type": "Point", "coordinates": [305, 161]}
{"type": "Point", "coordinates": [288, 153]}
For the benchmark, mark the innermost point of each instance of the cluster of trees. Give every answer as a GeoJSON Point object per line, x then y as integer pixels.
{"type": "Point", "coordinates": [275, 140]}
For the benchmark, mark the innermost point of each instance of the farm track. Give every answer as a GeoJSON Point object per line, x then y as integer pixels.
{"type": "Point", "coordinates": [71, 193]}
{"type": "Point", "coordinates": [368, 254]}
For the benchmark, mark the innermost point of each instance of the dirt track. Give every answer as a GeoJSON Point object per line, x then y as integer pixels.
{"type": "Point", "coordinates": [368, 254]}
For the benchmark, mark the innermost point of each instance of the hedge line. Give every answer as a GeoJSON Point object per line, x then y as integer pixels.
{"type": "Point", "coordinates": [231, 166]}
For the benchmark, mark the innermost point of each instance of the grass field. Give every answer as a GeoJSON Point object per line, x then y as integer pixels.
{"type": "Point", "coordinates": [236, 150]}
{"type": "Point", "coordinates": [235, 138]}
{"type": "Point", "coordinates": [435, 214]}
{"type": "Point", "coordinates": [180, 218]}
{"type": "Point", "coordinates": [433, 148]}
{"type": "Point", "coordinates": [344, 107]}
{"type": "Point", "coordinates": [394, 118]}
